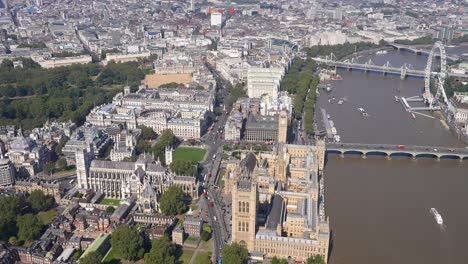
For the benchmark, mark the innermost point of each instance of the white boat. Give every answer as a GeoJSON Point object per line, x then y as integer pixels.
{"type": "Point", "coordinates": [363, 112]}
{"type": "Point", "coordinates": [337, 138]}
{"type": "Point", "coordinates": [437, 216]}
{"type": "Point", "coordinates": [380, 52]}
{"type": "Point", "coordinates": [333, 130]}
{"type": "Point", "coordinates": [340, 102]}
{"type": "Point", "coordinates": [397, 99]}
{"type": "Point", "coordinates": [328, 89]}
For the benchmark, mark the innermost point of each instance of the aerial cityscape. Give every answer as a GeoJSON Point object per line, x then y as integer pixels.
{"type": "Point", "coordinates": [211, 131]}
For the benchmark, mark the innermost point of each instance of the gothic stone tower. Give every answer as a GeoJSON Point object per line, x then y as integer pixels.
{"type": "Point", "coordinates": [84, 156]}
{"type": "Point", "coordinates": [282, 127]}
{"type": "Point", "coordinates": [244, 210]}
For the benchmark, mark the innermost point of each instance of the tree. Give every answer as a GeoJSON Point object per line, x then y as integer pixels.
{"type": "Point", "coordinates": [207, 228]}
{"type": "Point", "coordinates": [76, 256]}
{"type": "Point", "coordinates": [162, 252]}
{"type": "Point", "coordinates": [147, 133]}
{"type": "Point", "coordinates": [143, 146]}
{"type": "Point", "coordinates": [39, 201]}
{"type": "Point", "coordinates": [10, 208]}
{"type": "Point", "coordinates": [234, 254]}
{"type": "Point", "coordinates": [91, 258]}
{"type": "Point", "coordinates": [316, 259]}
{"type": "Point", "coordinates": [110, 209]}
{"type": "Point", "coordinates": [62, 164]}
{"type": "Point", "coordinates": [276, 260]}
{"type": "Point", "coordinates": [183, 167]}
{"type": "Point", "coordinates": [48, 168]}
{"type": "Point", "coordinates": [172, 201]}
{"type": "Point", "coordinates": [127, 243]}
{"type": "Point", "coordinates": [205, 236]}
{"type": "Point", "coordinates": [166, 139]}
{"type": "Point", "coordinates": [29, 227]}
{"type": "Point", "coordinates": [13, 241]}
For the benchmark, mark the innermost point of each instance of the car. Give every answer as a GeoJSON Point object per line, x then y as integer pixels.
{"type": "Point", "coordinates": [436, 150]}
{"type": "Point", "coordinates": [400, 147]}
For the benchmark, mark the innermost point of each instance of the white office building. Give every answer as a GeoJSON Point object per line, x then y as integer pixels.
{"type": "Point", "coordinates": [216, 19]}
{"type": "Point", "coordinates": [262, 81]}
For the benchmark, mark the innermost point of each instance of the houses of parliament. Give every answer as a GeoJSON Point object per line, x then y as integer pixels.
{"type": "Point", "coordinates": [278, 202]}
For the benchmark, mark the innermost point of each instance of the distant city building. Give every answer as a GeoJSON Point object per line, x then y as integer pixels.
{"type": "Point", "coordinates": [271, 106]}
{"type": "Point", "coordinates": [178, 235]}
{"type": "Point", "coordinates": [124, 146]}
{"type": "Point", "coordinates": [125, 57]}
{"type": "Point", "coordinates": [458, 105]}
{"type": "Point", "coordinates": [261, 128]}
{"type": "Point", "coordinates": [7, 173]}
{"type": "Point", "coordinates": [193, 226]}
{"type": "Point", "coordinates": [55, 190]}
{"type": "Point", "coordinates": [27, 156]}
{"type": "Point", "coordinates": [47, 61]}
{"type": "Point", "coordinates": [101, 245]}
{"type": "Point", "coordinates": [233, 126]}
{"type": "Point", "coordinates": [182, 111]}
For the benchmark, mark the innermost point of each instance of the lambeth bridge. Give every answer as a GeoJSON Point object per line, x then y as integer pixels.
{"type": "Point", "coordinates": [397, 150]}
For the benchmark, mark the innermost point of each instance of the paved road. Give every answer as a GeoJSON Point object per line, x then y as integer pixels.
{"type": "Point", "coordinates": [213, 139]}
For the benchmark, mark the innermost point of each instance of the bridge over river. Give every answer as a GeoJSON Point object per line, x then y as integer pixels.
{"type": "Point", "coordinates": [398, 150]}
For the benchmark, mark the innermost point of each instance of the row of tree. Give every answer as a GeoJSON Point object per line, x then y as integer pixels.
{"type": "Point", "coordinates": [18, 220]}
{"type": "Point", "coordinates": [419, 41]}
{"type": "Point", "coordinates": [341, 50]}
{"type": "Point", "coordinates": [309, 106]}
{"type": "Point", "coordinates": [31, 95]}
{"type": "Point", "coordinates": [297, 82]}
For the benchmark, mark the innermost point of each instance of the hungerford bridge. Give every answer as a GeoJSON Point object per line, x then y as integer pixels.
{"type": "Point", "coordinates": [438, 50]}
{"type": "Point", "coordinates": [395, 150]}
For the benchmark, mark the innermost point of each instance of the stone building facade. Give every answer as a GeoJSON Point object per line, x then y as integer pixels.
{"type": "Point", "coordinates": [145, 179]}
{"type": "Point", "coordinates": [278, 204]}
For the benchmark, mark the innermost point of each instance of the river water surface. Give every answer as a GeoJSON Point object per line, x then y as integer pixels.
{"type": "Point", "coordinates": [379, 208]}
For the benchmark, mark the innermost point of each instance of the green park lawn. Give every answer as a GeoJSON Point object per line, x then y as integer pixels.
{"type": "Point", "coordinates": [192, 239]}
{"type": "Point", "coordinates": [192, 154]}
{"type": "Point", "coordinates": [203, 258]}
{"type": "Point", "coordinates": [46, 217]}
{"type": "Point", "coordinates": [222, 174]}
{"type": "Point", "coordinates": [109, 258]}
{"type": "Point", "coordinates": [186, 256]}
{"type": "Point", "coordinates": [109, 201]}
{"type": "Point", "coordinates": [206, 245]}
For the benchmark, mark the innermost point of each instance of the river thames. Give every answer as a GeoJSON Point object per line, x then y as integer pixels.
{"type": "Point", "coordinates": [379, 208]}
